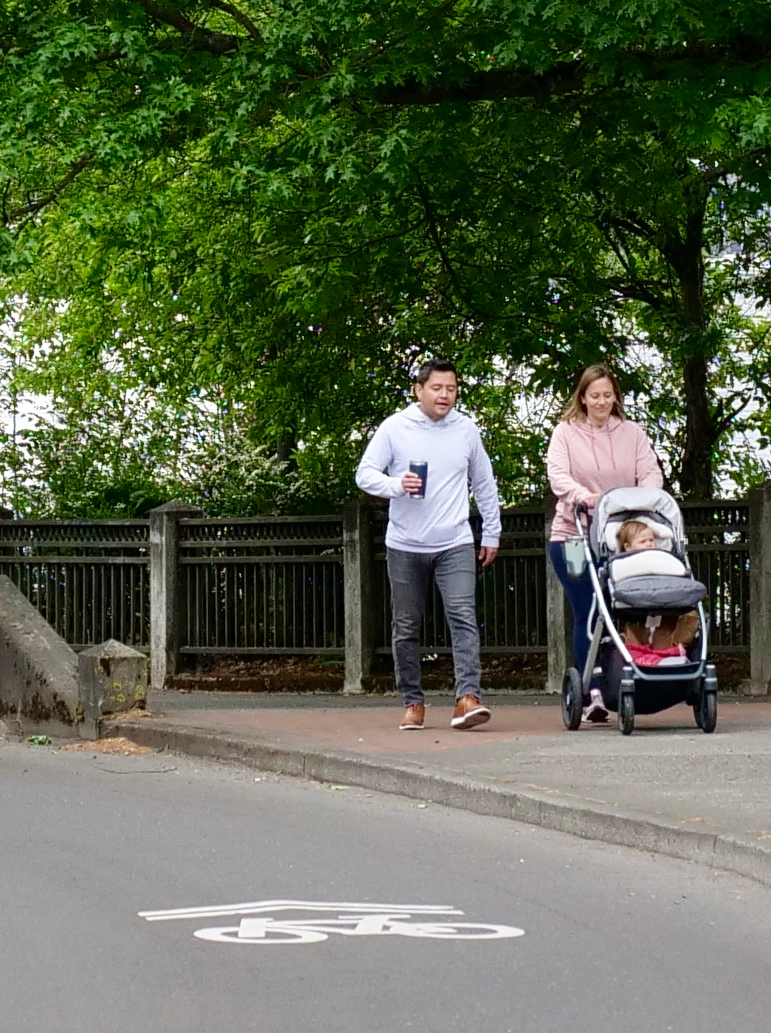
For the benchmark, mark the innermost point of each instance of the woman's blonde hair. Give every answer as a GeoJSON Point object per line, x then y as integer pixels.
{"type": "Point", "coordinates": [575, 410]}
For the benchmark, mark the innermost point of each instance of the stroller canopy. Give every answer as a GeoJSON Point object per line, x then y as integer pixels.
{"type": "Point", "coordinates": [620, 504]}
{"type": "Point", "coordinates": [650, 581]}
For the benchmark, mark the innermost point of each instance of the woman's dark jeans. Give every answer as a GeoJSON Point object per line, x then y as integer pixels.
{"type": "Point", "coordinates": [579, 592]}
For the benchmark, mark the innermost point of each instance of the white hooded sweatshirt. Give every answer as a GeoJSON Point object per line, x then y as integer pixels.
{"type": "Point", "coordinates": [453, 449]}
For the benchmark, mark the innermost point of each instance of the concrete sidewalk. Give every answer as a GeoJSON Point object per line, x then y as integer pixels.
{"type": "Point", "coordinates": [667, 788]}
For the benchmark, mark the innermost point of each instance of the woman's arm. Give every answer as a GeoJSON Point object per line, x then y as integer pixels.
{"type": "Point", "coordinates": [647, 468]}
{"type": "Point", "coordinates": [558, 470]}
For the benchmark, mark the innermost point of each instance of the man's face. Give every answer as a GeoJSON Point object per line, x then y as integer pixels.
{"type": "Point", "coordinates": [438, 395]}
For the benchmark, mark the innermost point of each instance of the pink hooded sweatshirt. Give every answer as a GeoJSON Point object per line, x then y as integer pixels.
{"type": "Point", "coordinates": [585, 460]}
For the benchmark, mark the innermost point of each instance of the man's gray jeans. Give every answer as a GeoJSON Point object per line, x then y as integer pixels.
{"type": "Point", "coordinates": [454, 572]}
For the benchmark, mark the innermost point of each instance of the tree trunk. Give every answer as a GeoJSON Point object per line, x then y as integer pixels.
{"type": "Point", "coordinates": [696, 474]}
{"type": "Point", "coordinates": [701, 428]}
{"type": "Point", "coordinates": [285, 447]}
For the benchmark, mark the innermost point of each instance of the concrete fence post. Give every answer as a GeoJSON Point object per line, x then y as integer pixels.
{"type": "Point", "coordinates": [164, 589]}
{"type": "Point", "coordinates": [559, 617]}
{"type": "Point", "coordinates": [760, 589]}
{"type": "Point", "coordinates": [357, 575]}
{"type": "Point", "coordinates": [113, 678]}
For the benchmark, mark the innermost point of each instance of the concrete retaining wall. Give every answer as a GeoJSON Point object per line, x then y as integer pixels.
{"type": "Point", "coordinates": [39, 689]}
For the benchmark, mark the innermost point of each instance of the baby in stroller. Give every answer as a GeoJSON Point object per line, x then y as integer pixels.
{"type": "Point", "coordinates": [642, 581]}
{"type": "Point", "coordinates": [676, 633]}
{"type": "Point", "coordinates": [634, 536]}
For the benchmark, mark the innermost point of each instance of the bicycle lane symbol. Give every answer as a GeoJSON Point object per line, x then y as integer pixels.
{"type": "Point", "coordinates": [256, 925]}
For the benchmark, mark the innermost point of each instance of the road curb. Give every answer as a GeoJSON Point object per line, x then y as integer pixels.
{"type": "Point", "coordinates": [484, 796]}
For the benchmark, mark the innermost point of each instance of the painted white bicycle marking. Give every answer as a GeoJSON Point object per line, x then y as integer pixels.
{"type": "Point", "coordinates": [351, 919]}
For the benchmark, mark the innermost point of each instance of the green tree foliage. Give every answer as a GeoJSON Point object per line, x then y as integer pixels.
{"type": "Point", "coordinates": [268, 212]}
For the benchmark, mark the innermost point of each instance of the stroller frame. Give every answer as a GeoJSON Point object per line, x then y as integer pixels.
{"type": "Point", "coordinates": [576, 684]}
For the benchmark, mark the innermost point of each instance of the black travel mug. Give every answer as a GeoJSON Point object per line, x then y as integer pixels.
{"type": "Point", "coordinates": [420, 467]}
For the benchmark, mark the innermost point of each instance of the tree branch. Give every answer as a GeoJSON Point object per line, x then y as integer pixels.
{"type": "Point", "coordinates": [435, 235]}
{"type": "Point", "coordinates": [36, 205]}
{"type": "Point", "coordinates": [636, 290]}
{"type": "Point", "coordinates": [494, 84]}
{"type": "Point", "coordinates": [725, 420]}
{"type": "Point", "coordinates": [238, 16]}
{"type": "Point", "coordinates": [488, 85]}
{"type": "Point", "coordinates": [215, 42]}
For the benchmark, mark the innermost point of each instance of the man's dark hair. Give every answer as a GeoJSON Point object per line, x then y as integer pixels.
{"type": "Point", "coordinates": [435, 366]}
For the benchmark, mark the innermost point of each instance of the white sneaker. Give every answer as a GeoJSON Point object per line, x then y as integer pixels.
{"type": "Point", "coordinates": [596, 712]}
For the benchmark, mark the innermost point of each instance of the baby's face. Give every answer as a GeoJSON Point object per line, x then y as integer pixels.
{"type": "Point", "coordinates": [642, 540]}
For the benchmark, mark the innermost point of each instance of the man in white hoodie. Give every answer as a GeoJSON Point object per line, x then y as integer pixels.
{"type": "Point", "coordinates": [429, 535]}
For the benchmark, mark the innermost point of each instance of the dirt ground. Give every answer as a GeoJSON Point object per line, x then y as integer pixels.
{"type": "Point", "coordinates": [120, 745]}
{"type": "Point", "coordinates": [524, 672]}
{"type": "Point", "coordinates": [322, 674]}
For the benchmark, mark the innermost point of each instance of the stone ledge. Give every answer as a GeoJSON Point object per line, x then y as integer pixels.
{"type": "Point", "coordinates": [39, 688]}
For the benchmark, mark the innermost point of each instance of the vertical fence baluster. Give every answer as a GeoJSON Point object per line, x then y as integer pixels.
{"type": "Point", "coordinates": [129, 607]}
{"type": "Point", "coordinates": [253, 614]}
{"type": "Point", "coordinates": [205, 574]}
{"type": "Point", "coordinates": [288, 572]}
{"type": "Point", "coordinates": [303, 602]}
{"type": "Point", "coordinates": [189, 601]}
{"type": "Point", "coordinates": [298, 587]}
{"type": "Point", "coordinates": [56, 584]}
{"type": "Point", "coordinates": [267, 578]}
{"type": "Point", "coordinates": [236, 604]}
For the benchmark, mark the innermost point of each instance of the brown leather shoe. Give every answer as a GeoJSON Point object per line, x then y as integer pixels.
{"type": "Point", "coordinates": [469, 711]}
{"type": "Point", "coordinates": [413, 718]}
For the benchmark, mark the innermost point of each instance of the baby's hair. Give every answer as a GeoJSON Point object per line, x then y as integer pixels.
{"type": "Point", "coordinates": [629, 531]}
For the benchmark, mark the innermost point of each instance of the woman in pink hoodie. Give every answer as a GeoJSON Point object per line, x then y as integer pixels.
{"type": "Point", "coordinates": [594, 448]}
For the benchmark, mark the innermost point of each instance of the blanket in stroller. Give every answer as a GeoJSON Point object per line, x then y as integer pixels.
{"type": "Point", "coordinates": [646, 656]}
{"type": "Point", "coordinates": [653, 580]}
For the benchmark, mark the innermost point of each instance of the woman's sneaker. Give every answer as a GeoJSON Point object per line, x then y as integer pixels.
{"type": "Point", "coordinates": [596, 712]}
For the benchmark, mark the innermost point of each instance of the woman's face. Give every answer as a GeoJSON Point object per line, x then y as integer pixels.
{"type": "Point", "coordinates": [598, 400]}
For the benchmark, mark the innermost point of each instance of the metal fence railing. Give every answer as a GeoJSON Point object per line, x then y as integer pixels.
{"type": "Point", "coordinates": [273, 585]}
{"type": "Point", "coordinates": [511, 595]}
{"type": "Point", "coordinates": [261, 585]}
{"type": "Point", "coordinates": [718, 551]}
{"type": "Point", "coordinates": [88, 578]}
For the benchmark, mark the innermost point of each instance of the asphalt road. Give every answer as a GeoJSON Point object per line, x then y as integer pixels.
{"type": "Point", "coordinates": [97, 850]}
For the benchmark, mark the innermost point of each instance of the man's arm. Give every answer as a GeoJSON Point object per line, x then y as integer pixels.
{"type": "Point", "coordinates": [377, 458]}
{"type": "Point", "coordinates": [486, 495]}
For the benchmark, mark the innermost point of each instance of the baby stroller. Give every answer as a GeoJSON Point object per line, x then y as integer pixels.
{"type": "Point", "coordinates": [639, 589]}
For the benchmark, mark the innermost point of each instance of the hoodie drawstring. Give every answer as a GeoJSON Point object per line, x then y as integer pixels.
{"type": "Point", "coordinates": [594, 450]}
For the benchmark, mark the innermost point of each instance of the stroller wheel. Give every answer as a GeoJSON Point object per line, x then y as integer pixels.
{"type": "Point", "coordinates": [572, 699]}
{"type": "Point", "coordinates": [626, 713]}
{"type": "Point", "coordinates": [705, 708]}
